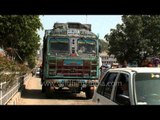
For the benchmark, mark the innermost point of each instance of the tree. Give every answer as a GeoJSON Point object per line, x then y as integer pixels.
{"type": "Point", "coordinates": [137, 37]}
{"type": "Point", "coordinates": [20, 33]}
{"type": "Point", "coordinates": [104, 45]}
{"type": "Point", "coordinates": [9, 70]}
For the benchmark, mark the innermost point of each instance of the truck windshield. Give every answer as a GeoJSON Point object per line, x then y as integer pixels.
{"type": "Point", "coordinates": [59, 45]}
{"type": "Point", "coordinates": [86, 46]}
{"type": "Point", "coordinates": [148, 88]}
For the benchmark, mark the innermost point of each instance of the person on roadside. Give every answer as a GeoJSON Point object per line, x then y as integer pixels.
{"type": "Point", "coordinates": [125, 64]}
{"type": "Point", "coordinates": [150, 64]}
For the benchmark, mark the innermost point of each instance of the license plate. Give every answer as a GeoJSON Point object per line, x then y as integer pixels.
{"type": "Point", "coordinates": [73, 62]}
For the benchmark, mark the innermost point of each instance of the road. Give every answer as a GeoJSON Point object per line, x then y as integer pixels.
{"type": "Point", "coordinates": [32, 95]}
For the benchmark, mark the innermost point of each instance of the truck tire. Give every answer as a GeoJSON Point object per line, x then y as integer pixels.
{"type": "Point", "coordinates": [43, 89]}
{"type": "Point", "coordinates": [48, 92]}
{"type": "Point", "coordinates": [89, 93]}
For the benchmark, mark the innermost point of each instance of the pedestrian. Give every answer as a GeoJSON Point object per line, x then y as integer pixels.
{"type": "Point", "coordinates": [150, 64]}
{"type": "Point", "coordinates": [32, 72]}
{"type": "Point", "coordinates": [125, 64]}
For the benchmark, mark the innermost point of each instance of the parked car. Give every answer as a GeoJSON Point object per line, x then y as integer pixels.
{"type": "Point", "coordinates": [129, 86]}
{"type": "Point", "coordinates": [37, 72]}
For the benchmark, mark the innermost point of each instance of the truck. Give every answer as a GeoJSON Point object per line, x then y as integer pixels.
{"type": "Point", "coordinates": [70, 59]}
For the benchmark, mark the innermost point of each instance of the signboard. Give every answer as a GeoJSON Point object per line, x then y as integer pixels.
{"type": "Point", "coordinates": [73, 32]}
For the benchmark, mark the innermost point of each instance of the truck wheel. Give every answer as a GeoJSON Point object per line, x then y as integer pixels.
{"type": "Point", "coordinates": [89, 93]}
{"type": "Point", "coordinates": [43, 89]}
{"type": "Point", "coordinates": [48, 92]}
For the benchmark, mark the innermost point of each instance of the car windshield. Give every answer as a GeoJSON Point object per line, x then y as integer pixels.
{"type": "Point", "coordinates": [148, 88]}
{"type": "Point", "coordinates": [59, 45]}
{"type": "Point", "coordinates": [86, 46]}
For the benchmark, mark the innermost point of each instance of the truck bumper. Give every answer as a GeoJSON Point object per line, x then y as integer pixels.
{"type": "Point", "coordinates": [75, 85]}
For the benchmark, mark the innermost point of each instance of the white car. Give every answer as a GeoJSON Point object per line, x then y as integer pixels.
{"type": "Point", "coordinates": [129, 86]}
{"type": "Point", "coordinates": [37, 72]}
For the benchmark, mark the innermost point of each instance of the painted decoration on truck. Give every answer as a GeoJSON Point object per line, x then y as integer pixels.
{"type": "Point", "coordinates": [73, 62]}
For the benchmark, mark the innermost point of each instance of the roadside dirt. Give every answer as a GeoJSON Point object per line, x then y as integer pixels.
{"type": "Point", "coordinates": [32, 95]}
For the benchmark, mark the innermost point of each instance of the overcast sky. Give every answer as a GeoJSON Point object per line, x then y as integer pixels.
{"type": "Point", "coordinates": [101, 24]}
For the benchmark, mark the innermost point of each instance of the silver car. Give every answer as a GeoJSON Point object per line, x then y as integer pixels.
{"type": "Point", "coordinates": [129, 86]}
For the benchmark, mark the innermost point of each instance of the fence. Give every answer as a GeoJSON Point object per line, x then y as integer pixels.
{"type": "Point", "coordinates": [7, 91]}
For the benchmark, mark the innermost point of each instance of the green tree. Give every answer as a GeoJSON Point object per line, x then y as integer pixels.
{"type": "Point", "coordinates": [137, 37]}
{"type": "Point", "coordinates": [20, 33]}
{"type": "Point", "coordinates": [104, 45]}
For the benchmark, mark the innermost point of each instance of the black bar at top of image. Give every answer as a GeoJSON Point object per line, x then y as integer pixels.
{"type": "Point", "coordinates": [78, 7]}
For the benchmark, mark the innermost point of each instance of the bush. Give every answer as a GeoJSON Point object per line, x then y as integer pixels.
{"type": "Point", "coordinates": [9, 70]}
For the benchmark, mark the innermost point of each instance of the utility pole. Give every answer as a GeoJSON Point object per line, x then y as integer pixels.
{"type": "Point", "coordinates": [86, 19]}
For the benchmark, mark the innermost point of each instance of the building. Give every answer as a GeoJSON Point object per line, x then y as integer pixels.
{"type": "Point", "coordinates": [108, 59]}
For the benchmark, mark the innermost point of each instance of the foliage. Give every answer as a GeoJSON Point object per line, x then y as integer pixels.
{"type": "Point", "coordinates": [10, 70]}
{"type": "Point", "coordinates": [19, 39]}
{"type": "Point", "coordinates": [31, 62]}
{"type": "Point", "coordinates": [20, 32]}
{"type": "Point", "coordinates": [104, 45]}
{"type": "Point", "coordinates": [136, 38]}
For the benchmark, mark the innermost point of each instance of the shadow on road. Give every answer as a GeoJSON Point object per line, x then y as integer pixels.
{"type": "Point", "coordinates": [37, 94]}
{"type": "Point", "coordinates": [33, 94]}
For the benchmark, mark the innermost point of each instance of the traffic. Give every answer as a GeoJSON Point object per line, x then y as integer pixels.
{"type": "Point", "coordinates": [122, 68]}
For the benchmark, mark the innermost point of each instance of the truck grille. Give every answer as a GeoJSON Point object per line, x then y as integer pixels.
{"type": "Point", "coordinates": [87, 69]}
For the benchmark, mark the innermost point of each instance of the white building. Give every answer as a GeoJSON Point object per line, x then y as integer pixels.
{"type": "Point", "coordinates": [106, 59]}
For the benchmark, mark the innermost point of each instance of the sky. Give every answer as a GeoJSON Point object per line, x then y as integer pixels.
{"type": "Point", "coordinates": [101, 24]}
